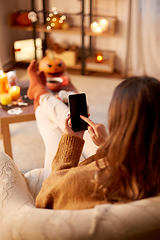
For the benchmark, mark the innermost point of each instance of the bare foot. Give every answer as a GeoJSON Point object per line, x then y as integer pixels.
{"type": "Point", "coordinates": [42, 78]}
{"type": "Point", "coordinates": [32, 68]}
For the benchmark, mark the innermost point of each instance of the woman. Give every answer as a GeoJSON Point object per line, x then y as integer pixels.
{"type": "Point", "coordinates": [126, 166]}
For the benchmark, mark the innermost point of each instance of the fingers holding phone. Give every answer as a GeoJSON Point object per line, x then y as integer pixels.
{"type": "Point", "coordinates": [80, 120]}
{"type": "Point", "coordinates": [68, 129]}
{"type": "Point", "coordinates": [97, 131]}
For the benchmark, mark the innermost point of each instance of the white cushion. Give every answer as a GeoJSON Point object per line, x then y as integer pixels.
{"type": "Point", "coordinates": [21, 220]}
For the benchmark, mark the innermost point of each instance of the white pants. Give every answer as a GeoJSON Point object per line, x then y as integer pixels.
{"type": "Point", "coordinates": [50, 117]}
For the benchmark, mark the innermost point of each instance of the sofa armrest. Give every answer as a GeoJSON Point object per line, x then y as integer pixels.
{"type": "Point", "coordinates": [20, 219]}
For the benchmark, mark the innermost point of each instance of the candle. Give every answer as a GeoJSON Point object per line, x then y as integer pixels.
{"type": "Point", "coordinates": [99, 29]}
{"type": "Point", "coordinates": [3, 82]}
{"type": "Point", "coordinates": [14, 92]}
{"type": "Point", "coordinates": [99, 57]}
{"type": "Point", "coordinates": [96, 28]}
{"type": "Point", "coordinates": [6, 98]}
{"type": "Point", "coordinates": [103, 23]}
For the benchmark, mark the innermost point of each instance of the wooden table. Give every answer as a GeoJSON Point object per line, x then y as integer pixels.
{"type": "Point", "coordinates": [28, 114]}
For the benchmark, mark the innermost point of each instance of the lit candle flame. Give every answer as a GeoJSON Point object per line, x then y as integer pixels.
{"type": "Point", "coordinates": [1, 72]}
{"type": "Point", "coordinates": [95, 24]}
{"type": "Point", "coordinates": [103, 23]}
{"type": "Point", "coordinates": [96, 28]}
{"type": "Point", "coordinates": [14, 88]}
{"type": "Point", "coordinates": [99, 58]}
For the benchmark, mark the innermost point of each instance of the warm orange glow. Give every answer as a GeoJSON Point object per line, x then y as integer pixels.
{"type": "Point", "coordinates": [3, 82]}
{"type": "Point", "coordinates": [99, 58]}
{"type": "Point", "coordinates": [14, 92]}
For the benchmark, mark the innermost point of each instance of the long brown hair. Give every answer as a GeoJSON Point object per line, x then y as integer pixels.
{"type": "Point", "coordinates": [132, 149]}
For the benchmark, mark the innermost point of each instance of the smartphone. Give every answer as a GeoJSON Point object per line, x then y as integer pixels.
{"type": "Point", "coordinates": [78, 106]}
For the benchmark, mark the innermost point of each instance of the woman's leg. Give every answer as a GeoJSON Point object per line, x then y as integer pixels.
{"type": "Point", "coordinates": [48, 129]}
{"type": "Point", "coordinates": [50, 116]}
{"type": "Point", "coordinates": [51, 135]}
{"type": "Point", "coordinates": [57, 111]}
{"type": "Point", "coordinates": [54, 109]}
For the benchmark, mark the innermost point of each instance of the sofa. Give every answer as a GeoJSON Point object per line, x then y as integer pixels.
{"type": "Point", "coordinates": [20, 219]}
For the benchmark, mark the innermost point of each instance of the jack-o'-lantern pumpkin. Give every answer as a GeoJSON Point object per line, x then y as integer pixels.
{"type": "Point", "coordinates": [53, 69]}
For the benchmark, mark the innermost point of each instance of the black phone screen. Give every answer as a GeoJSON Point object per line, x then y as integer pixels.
{"type": "Point", "coordinates": [78, 106]}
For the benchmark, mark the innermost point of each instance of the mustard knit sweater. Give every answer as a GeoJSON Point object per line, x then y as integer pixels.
{"type": "Point", "coordinates": [70, 185]}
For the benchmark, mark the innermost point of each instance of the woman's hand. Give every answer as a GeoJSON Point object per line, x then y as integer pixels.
{"type": "Point", "coordinates": [97, 131]}
{"type": "Point", "coordinates": [68, 129]}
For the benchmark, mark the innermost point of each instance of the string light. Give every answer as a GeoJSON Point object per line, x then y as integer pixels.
{"type": "Point", "coordinates": [54, 20]}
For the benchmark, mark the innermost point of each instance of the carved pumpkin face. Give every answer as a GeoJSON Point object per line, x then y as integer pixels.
{"type": "Point", "coordinates": [52, 67]}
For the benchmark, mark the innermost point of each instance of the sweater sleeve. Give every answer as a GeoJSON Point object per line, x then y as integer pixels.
{"type": "Point", "coordinates": [68, 152]}
{"type": "Point", "coordinates": [67, 156]}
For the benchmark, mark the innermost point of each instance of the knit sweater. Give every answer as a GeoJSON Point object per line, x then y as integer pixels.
{"type": "Point", "coordinates": [70, 185]}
